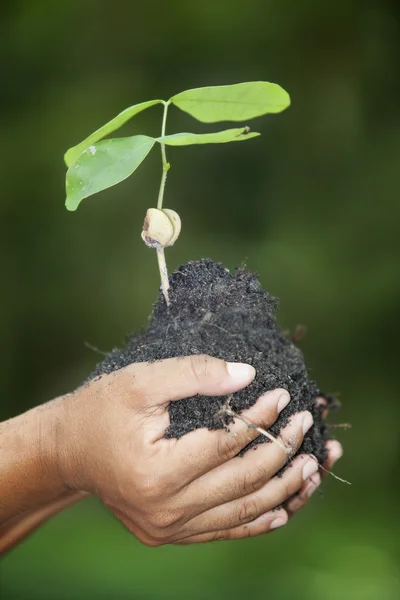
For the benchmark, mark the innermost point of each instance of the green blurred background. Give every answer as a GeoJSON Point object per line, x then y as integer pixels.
{"type": "Point", "coordinates": [312, 205]}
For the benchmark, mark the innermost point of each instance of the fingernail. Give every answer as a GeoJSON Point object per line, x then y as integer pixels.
{"type": "Point", "coordinates": [241, 372]}
{"type": "Point", "coordinates": [277, 523]}
{"type": "Point", "coordinates": [307, 421]}
{"type": "Point", "coordinates": [283, 401]}
{"type": "Point", "coordinates": [310, 468]}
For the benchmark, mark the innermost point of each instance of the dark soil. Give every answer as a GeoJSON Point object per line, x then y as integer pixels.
{"type": "Point", "coordinates": [230, 316]}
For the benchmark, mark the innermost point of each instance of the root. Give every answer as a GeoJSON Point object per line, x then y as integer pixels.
{"type": "Point", "coordinates": [333, 474]}
{"type": "Point", "coordinates": [298, 334]}
{"type": "Point", "coordinates": [227, 410]}
{"type": "Point", "coordinates": [162, 265]}
{"type": "Point", "coordinates": [94, 349]}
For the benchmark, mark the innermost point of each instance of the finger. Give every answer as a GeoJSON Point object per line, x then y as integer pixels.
{"type": "Point", "coordinates": [246, 474]}
{"type": "Point", "coordinates": [264, 524]}
{"type": "Point", "coordinates": [335, 451]}
{"type": "Point", "coordinates": [202, 450]}
{"type": "Point", "coordinates": [175, 378]}
{"type": "Point", "coordinates": [247, 509]}
{"type": "Point", "coordinates": [293, 505]}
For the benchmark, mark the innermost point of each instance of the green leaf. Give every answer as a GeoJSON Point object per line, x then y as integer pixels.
{"type": "Point", "coordinates": [103, 165]}
{"type": "Point", "coordinates": [220, 137]}
{"type": "Point", "coordinates": [124, 116]}
{"type": "Point", "coordinates": [238, 102]}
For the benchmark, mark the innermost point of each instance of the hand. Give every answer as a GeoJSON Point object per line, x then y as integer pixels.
{"type": "Point", "coordinates": [195, 489]}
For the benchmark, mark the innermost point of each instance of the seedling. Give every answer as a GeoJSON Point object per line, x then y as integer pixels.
{"type": "Point", "coordinates": [213, 312]}
{"type": "Point", "coordinates": [95, 165]}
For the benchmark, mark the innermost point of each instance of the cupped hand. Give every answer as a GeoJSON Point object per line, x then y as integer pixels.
{"type": "Point", "coordinates": [192, 489]}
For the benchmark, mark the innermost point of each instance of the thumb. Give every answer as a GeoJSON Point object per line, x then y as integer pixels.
{"type": "Point", "coordinates": [177, 378]}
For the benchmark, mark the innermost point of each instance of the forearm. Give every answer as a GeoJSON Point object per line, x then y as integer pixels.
{"type": "Point", "coordinates": [31, 488]}
{"type": "Point", "coordinates": [17, 528]}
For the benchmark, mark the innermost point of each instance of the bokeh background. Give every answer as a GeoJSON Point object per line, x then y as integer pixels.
{"type": "Point", "coordinates": [312, 205]}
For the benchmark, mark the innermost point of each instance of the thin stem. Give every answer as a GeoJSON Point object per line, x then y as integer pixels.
{"type": "Point", "coordinates": [165, 164]}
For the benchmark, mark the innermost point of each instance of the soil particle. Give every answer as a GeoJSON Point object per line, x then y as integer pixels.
{"type": "Point", "coordinates": [227, 315]}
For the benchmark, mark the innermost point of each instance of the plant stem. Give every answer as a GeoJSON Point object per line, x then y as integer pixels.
{"type": "Point", "coordinates": [165, 164]}
{"type": "Point", "coordinates": [162, 265]}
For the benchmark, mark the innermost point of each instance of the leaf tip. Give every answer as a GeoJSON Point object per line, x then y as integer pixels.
{"type": "Point", "coordinates": [71, 205]}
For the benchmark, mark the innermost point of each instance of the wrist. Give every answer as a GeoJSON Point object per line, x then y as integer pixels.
{"type": "Point", "coordinates": [64, 452]}
{"type": "Point", "coordinates": [71, 433]}
{"type": "Point", "coordinates": [42, 429]}
{"type": "Point", "coordinates": [53, 431]}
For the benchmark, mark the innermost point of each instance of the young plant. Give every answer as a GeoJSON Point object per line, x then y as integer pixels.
{"type": "Point", "coordinates": [95, 165]}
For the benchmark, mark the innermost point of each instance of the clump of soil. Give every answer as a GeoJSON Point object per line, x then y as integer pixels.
{"type": "Point", "coordinates": [229, 316]}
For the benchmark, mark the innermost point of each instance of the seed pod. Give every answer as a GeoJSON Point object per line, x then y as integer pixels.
{"type": "Point", "coordinates": [176, 223]}
{"type": "Point", "coordinates": [157, 229]}
{"type": "Point", "coordinates": [161, 228]}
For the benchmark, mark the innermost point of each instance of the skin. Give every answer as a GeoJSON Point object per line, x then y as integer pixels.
{"type": "Point", "coordinates": [106, 440]}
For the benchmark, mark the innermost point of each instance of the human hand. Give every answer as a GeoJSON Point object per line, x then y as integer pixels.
{"type": "Point", "coordinates": [195, 489]}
